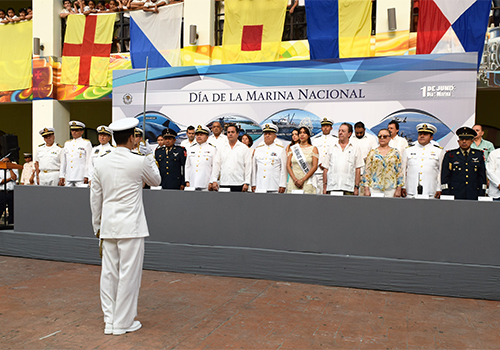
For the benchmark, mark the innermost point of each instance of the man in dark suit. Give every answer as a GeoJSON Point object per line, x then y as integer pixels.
{"type": "Point", "coordinates": [463, 173]}
{"type": "Point", "coordinates": [171, 160]}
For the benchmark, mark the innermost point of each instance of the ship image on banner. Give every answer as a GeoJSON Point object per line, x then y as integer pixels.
{"type": "Point", "coordinates": [289, 119]}
{"type": "Point", "coordinates": [408, 120]}
{"type": "Point", "coordinates": [244, 124]}
{"type": "Point", "coordinates": [156, 122]}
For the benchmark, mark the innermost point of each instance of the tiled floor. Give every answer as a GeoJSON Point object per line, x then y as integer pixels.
{"type": "Point", "coordinates": [54, 305]}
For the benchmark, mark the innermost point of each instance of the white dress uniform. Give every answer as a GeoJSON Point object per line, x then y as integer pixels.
{"type": "Point", "coordinates": [118, 214]}
{"type": "Point", "coordinates": [493, 173]}
{"type": "Point", "coordinates": [28, 170]}
{"type": "Point", "coordinates": [399, 143]}
{"type": "Point", "coordinates": [100, 150]}
{"type": "Point", "coordinates": [234, 165]}
{"type": "Point", "coordinates": [199, 165]}
{"type": "Point", "coordinates": [76, 162]}
{"type": "Point", "coordinates": [217, 141]}
{"type": "Point", "coordinates": [186, 144]}
{"type": "Point", "coordinates": [49, 163]}
{"type": "Point", "coordinates": [425, 161]}
{"type": "Point", "coordinates": [269, 167]}
{"type": "Point", "coordinates": [323, 144]}
{"type": "Point", "coordinates": [342, 165]}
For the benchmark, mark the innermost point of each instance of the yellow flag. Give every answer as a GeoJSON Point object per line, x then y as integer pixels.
{"type": "Point", "coordinates": [16, 42]}
{"type": "Point", "coordinates": [354, 28]}
{"type": "Point", "coordinates": [253, 30]}
{"type": "Point", "coordinates": [87, 46]}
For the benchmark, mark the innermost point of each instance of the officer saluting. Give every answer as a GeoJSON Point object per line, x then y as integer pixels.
{"type": "Point", "coordinates": [463, 172]}
{"type": "Point", "coordinates": [200, 161]}
{"type": "Point", "coordinates": [421, 164]}
{"type": "Point", "coordinates": [171, 160]}
{"type": "Point", "coordinates": [269, 163]}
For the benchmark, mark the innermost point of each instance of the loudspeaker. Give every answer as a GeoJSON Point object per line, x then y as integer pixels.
{"type": "Point", "coordinates": [391, 16]}
{"type": "Point", "coordinates": [9, 145]}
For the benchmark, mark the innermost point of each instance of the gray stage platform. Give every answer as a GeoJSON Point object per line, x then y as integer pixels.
{"type": "Point", "coordinates": [422, 246]}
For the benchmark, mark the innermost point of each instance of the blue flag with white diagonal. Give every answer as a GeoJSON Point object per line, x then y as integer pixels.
{"type": "Point", "coordinates": [157, 36]}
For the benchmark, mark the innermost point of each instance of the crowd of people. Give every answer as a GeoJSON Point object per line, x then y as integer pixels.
{"type": "Point", "coordinates": [10, 16]}
{"type": "Point", "coordinates": [87, 7]}
{"type": "Point", "coordinates": [352, 163]}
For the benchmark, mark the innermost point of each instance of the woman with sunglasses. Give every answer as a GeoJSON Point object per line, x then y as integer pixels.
{"type": "Point", "coordinates": [383, 172]}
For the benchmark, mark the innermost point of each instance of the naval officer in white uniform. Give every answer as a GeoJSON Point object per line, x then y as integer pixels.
{"type": "Point", "coordinates": [421, 164]}
{"type": "Point", "coordinates": [200, 161]}
{"type": "Point", "coordinates": [104, 134]}
{"type": "Point", "coordinates": [119, 220]}
{"type": "Point", "coordinates": [76, 162]}
{"type": "Point", "coordinates": [323, 142]}
{"type": "Point", "coordinates": [48, 159]}
{"type": "Point", "coordinates": [269, 163]}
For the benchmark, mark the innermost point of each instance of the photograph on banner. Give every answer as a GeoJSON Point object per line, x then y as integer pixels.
{"type": "Point", "coordinates": [245, 125]}
{"type": "Point", "coordinates": [439, 89]}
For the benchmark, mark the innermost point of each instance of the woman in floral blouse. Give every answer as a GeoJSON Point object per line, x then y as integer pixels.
{"type": "Point", "coordinates": [383, 173]}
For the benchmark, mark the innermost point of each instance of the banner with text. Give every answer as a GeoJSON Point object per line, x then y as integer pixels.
{"type": "Point", "coordinates": [437, 89]}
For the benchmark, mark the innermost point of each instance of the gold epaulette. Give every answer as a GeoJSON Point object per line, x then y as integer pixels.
{"type": "Point", "coordinates": [279, 145]}
{"type": "Point", "coordinates": [41, 145]}
{"type": "Point", "coordinates": [60, 145]}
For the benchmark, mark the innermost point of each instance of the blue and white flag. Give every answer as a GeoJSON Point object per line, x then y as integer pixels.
{"type": "Point", "coordinates": [157, 36]}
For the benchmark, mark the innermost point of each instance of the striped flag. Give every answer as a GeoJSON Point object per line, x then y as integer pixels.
{"type": "Point", "coordinates": [338, 28]}
{"type": "Point", "coordinates": [87, 47]}
{"type": "Point", "coordinates": [252, 30]}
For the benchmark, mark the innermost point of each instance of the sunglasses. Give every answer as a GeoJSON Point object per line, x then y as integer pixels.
{"type": "Point", "coordinates": [383, 136]}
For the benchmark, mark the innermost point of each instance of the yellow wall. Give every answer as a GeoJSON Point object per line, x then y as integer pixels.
{"type": "Point", "coordinates": [15, 118]}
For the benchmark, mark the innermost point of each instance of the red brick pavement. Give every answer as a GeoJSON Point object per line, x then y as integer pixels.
{"type": "Point", "coordinates": [55, 305]}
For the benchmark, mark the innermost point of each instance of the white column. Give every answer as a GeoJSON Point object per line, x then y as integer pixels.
{"type": "Point", "coordinates": [200, 13]}
{"type": "Point", "coordinates": [47, 25]}
{"type": "Point", "coordinates": [50, 113]}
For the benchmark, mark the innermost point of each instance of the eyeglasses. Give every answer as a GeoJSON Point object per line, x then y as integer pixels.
{"type": "Point", "coordinates": [383, 136]}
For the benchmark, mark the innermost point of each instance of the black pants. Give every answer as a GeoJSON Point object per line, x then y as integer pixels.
{"type": "Point", "coordinates": [234, 188]}
{"type": "Point", "coordinates": [8, 198]}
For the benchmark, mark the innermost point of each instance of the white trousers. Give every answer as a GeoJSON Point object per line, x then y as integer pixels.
{"type": "Point", "coordinates": [319, 179]}
{"type": "Point", "coordinates": [121, 280]}
{"type": "Point", "coordinates": [49, 179]}
{"type": "Point", "coordinates": [75, 184]}
{"type": "Point", "coordinates": [387, 193]}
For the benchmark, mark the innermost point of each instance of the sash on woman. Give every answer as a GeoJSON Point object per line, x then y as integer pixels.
{"type": "Point", "coordinates": [301, 160]}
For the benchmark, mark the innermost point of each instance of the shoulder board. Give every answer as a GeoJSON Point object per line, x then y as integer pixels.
{"type": "Point", "coordinates": [85, 139]}
{"type": "Point", "coordinates": [277, 144]}
{"type": "Point", "coordinates": [113, 146]}
{"type": "Point", "coordinates": [102, 155]}
{"type": "Point", "coordinates": [41, 145]}
{"type": "Point", "coordinates": [60, 145]}
{"type": "Point", "coordinates": [210, 144]}
{"type": "Point", "coordinates": [137, 154]}
{"type": "Point", "coordinates": [438, 146]}
{"type": "Point", "coordinates": [262, 144]}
